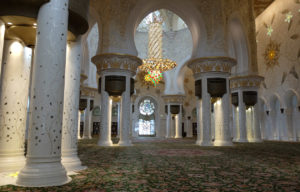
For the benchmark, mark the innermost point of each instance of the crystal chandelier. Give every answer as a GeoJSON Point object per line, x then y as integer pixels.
{"type": "Point", "coordinates": [155, 64]}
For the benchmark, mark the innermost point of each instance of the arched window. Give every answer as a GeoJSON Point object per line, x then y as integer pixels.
{"type": "Point", "coordinates": [146, 118]}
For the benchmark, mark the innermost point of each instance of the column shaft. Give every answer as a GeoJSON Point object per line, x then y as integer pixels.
{"type": "Point", "coordinates": [223, 134]}
{"type": "Point", "coordinates": [106, 105]}
{"type": "Point", "coordinates": [71, 106]}
{"type": "Point", "coordinates": [169, 119]}
{"type": "Point", "coordinates": [78, 124]}
{"type": "Point", "coordinates": [178, 124]}
{"type": "Point", "coordinates": [205, 132]}
{"type": "Point", "coordinates": [242, 119]}
{"type": "Point", "coordinates": [14, 90]}
{"type": "Point", "coordinates": [87, 122]}
{"type": "Point", "coordinates": [2, 33]}
{"type": "Point", "coordinates": [125, 116]}
{"type": "Point", "coordinates": [43, 165]}
{"type": "Point", "coordinates": [257, 130]}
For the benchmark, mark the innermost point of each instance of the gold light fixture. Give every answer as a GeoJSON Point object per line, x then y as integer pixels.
{"type": "Point", "coordinates": [155, 64]}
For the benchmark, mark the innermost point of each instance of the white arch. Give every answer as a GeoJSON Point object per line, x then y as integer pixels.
{"type": "Point", "coordinates": [238, 45]}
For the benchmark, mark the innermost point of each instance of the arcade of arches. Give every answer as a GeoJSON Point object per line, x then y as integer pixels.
{"type": "Point", "coordinates": [78, 113]}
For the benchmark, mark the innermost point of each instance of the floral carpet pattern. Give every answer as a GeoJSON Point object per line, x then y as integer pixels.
{"type": "Point", "coordinates": [182, 166]}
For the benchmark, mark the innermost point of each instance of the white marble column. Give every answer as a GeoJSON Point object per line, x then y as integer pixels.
{"type": "Point", "coordinates": [106, 111]}
{"type": "Point", "coordinates": [43, 164]}
{"type": "Point", "coordinates": [236, 133]}
{"type": "Point", "coordinates": [119, 120]}
{"type": "Point", "coordinates": [242, 119]}
{"type": "Point", "coordinates": [223, 136]}
{"type": "Point", "coordinates": [2, 33]}
{"type": "Point", "coordinates": [78, 125]}
{"type": "Point", "coordinates": [189, 127]}
{"type": "Point", "coordinates": [14, 91]}
{"type": "Point", "coordinates": [257, 130]}
{"type": "Point", "coordinates": [178, 124]}
{"type": "Point", "coordinates": [169, 122]}
{"type": "Point", "coordinates": [70, 159]}
{"type": "Point", "coordinates": [125, 117]}
{"type": "Point", "coordinates": [205, 120]}
{"type": "Point", "coordinates": [87, 121]}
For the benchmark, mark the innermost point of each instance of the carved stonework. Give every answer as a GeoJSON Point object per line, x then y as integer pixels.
{"type": "Point", "coordinates": [250, 81]}
{"type": "Point", "coordinates": [83, 77]}
{"type": "Point", "coordinates": [212, 64]}
{"type": "Point", "coordinates": [110, 61]}
{"type": "Point", "coordinates": [174, 98]}
{"type": "Point", "coordinates": [88, 91]}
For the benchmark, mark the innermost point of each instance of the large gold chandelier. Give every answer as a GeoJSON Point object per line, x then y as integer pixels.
{"type": "Point", "coordinates": [155, 64]}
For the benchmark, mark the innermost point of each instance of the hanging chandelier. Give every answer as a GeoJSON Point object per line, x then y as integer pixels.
{"type": "Point", "coordinates": [155, 64]}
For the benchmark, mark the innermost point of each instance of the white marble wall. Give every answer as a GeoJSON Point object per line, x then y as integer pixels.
{"type": "Point", "coordinates": [283, 79]}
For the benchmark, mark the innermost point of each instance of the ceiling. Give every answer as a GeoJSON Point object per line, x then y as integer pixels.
{"type": "Point", "coordinates": [261, 5]}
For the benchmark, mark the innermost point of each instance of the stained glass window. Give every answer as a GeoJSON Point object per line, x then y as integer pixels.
{"type": "Point", "coordinates": [146, 107]}
{"type": "Point", "coordinates": [146, 121]}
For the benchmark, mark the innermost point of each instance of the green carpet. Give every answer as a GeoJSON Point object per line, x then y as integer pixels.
{"type": "Point", "coordinates": [179, 165]}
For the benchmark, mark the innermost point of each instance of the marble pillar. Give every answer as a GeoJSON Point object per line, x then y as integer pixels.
{"type": "Point", "coordinates": [14, 91]}
{"type": "Point", "coordinates": [78, 125]}
{"type": "Point", "coordinates": [242, 119]}
{"type": "Point", "coordinates": [70, 159]}
{"type": "Point", "coordinates": [199, 121]}
{"type": "Point", "coordinates": [119, 120]}
{"type": "Point", "coordinates": [178, 124]}
{"type": "Point", "coordinates": [189, 127]}
{"type": "Point", "coordinates": [256, 126]}
{"type": "Point", "coordinates": [222, 128]}
{"type": "Point", "coordinates": [2, 33]}
{"type": "Point", "coordinates": [205, 120]}
{"type": "Point", "coordinates": [173, 124]}
{"type": "Point", "coordinates": [87, 121]}
{"type": "Point", "coordinates": [236, 133]}
{"type": "Point", "coordinates": [43, 164]}
{"type": "Point", "coordinates": [169, 122]}
{"type": "Point", "coordinates": [106, 113]}
{"type": "Point", "coordinates": [125, 117]}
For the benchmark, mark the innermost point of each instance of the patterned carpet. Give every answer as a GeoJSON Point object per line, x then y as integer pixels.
{"type": "Point", "coordinates": [179, 165]}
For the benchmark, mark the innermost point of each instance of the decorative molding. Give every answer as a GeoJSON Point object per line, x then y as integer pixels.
{"type": "Point", "coordinates": [173, 98]}
{"type": "Point", "coordinates": [88, 91]}
{"type": "Point", "coordinates": [109, 61]}
{"type": "Point", "coordinates": [212, 64]}
{"type": "Point", "coordinates": [249, 81]}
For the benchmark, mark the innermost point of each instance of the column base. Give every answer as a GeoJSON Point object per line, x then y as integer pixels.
{"type": "Point", "coordinates": [38, 173]}
{"type": "Point", "coordinates": [222, 143]}
{"type": "Point", "coordinates": [178, 137]}
{"type": "Point", "coordinates": [71, 162]}
{"type": "Point", "coordinates": [189, 136]}
{"type": "Point", "coordinates": [105, 143]}
{"type": "Point", "coordinates": [241, 141]}
{"type": "Point", "coordinates": [204, 143]}
{"type": "Point", "coordinates": [255, 140]}
{"type": "Point", "coordinates": [11, 162]}
{"type": "Point", "coordinates": [86, 137]}
{"type": "Point", "coordinates": [169, 137]}
{"type": "Point", "coordinates": [125, 143]}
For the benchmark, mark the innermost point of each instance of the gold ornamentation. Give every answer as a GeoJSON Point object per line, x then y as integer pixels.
{"type": "Point", "coordinates": [212, 64]}
{"type": "Point", "coordinates": [155, 60]}
{"type": "Point", "coordinates": [272, 54]}
{"type": "Point", "coordinates": [108, 61]}
{"type": "Point", "coordinates": [250, 81]}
